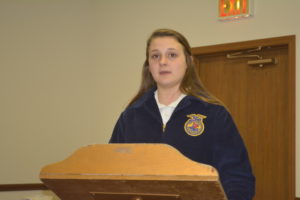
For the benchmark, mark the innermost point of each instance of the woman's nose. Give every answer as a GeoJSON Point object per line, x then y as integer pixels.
{"type": "Point", "coordinates": [163, 60]}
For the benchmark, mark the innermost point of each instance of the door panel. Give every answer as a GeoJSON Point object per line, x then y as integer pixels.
{"type": "Point", "coordinates": [261, 100]}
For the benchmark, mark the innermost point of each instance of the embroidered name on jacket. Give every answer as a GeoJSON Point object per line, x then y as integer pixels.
{"type": "Point", "coordinates": [194, 126]}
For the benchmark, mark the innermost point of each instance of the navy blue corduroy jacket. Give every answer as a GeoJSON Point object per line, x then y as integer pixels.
{"type": "Point", "coordinates": [214, 141]}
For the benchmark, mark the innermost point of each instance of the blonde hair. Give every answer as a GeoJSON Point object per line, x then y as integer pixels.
{"type": "Point", "coordinates": [191, 83]}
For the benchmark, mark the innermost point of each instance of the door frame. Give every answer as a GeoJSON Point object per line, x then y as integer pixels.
{"type": "Point", "coordinates": [290, 41]}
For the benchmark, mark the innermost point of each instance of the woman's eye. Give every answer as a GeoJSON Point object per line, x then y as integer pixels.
{"type": "Point", "coordinates": [172, 55]}
{"type": "Point", "coordinates": [154, 56]}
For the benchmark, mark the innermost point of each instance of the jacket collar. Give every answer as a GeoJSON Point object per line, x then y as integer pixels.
{"type": "Point", "coordinates": [148, 102]}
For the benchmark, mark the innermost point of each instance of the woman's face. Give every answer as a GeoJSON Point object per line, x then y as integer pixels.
{"type": "Point", "coordinates": [167, 62]}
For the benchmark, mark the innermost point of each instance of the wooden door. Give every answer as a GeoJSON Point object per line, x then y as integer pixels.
{"type": "Point", "coordinates": [262, 102]}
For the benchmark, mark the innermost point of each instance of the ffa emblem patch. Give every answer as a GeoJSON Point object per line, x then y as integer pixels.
{"type": "Point", "coordinates": [194, 126]}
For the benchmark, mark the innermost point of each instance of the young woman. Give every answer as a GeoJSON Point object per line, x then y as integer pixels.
{"type": "Point", "coordinates": [173, 107]}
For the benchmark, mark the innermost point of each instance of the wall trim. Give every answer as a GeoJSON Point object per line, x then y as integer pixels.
{"type": "Point", "coordinates": [22, 187]}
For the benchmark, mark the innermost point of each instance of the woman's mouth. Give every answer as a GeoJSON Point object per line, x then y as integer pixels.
{"type": "Point", "coordinates": [164, 72]}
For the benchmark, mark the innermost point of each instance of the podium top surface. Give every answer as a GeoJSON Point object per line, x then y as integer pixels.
{"type": "Point", "coordinates": [129, 162]}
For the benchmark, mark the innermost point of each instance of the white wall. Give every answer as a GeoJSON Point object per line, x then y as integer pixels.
{"type": "Point", "coordinates": [69, 67]}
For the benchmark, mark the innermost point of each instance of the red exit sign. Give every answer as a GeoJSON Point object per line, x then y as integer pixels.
{"type": "Point", "coordinates": [233, 9]}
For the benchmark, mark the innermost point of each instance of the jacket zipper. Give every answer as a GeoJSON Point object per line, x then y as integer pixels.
{"type": "Point", "coordinates": [164, 127]}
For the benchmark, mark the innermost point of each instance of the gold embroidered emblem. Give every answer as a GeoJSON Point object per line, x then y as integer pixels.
{"type": "Point", "coordinates": [194, 126]}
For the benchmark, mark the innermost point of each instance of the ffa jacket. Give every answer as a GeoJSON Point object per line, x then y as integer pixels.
{"type": "Point", "coordinates": [201, 131]}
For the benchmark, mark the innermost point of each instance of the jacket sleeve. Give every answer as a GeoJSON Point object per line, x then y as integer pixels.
{"type": "Point", "coordinates": [231, 159]}
{"type": "Point", "coordinates": [117, 135]}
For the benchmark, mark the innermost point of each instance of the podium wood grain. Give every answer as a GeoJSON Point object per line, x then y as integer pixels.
{"type": "Point", "coordinates": [131, 172]}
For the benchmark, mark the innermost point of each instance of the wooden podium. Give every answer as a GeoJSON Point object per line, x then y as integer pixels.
{"type": "Point", "coordinates": [131, 172]}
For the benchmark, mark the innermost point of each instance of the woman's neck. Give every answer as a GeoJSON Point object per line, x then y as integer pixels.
{"type": "Point", "coordinates": [167, 96]}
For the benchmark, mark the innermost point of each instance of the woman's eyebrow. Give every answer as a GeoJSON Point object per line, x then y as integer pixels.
{"type": "Point", "coordinates": [153, 50]}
